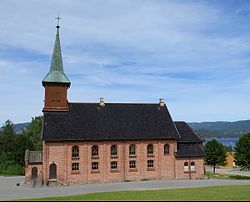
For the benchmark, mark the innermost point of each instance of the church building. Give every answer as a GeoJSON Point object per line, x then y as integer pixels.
{"type": "Point", "coordinates": [107, 142]}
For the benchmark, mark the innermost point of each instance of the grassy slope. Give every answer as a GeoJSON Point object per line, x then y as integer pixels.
{"type": "Point", "coordinates": [232, 193]}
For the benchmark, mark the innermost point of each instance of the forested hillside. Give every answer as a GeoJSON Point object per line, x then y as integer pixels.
{"type": "Point", "coordinates": [221, 128]}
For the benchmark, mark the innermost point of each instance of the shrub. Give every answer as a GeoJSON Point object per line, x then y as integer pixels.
{"type": "Point", "coordinates": [11, 169]}
{"type": "Point", "coordinates": [240, 177]}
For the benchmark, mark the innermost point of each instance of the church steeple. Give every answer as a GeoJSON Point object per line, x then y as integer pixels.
{"type": "Point", "coordinates": [56, 73]}
{"type": "Point", "coordinates": [56, 83]}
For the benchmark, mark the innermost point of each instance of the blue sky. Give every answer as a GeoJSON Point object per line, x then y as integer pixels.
{"type": "Point", "coordinates": [194, 54]}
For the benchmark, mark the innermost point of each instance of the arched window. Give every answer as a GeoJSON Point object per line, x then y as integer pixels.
{"type": "Point", "coordinates": [166, 149]}
{"type": "Point", "coordinates": [150, 149]}
{"type": "Point", "coordinates": [95, 150]}
{"type": "Point", "coordinates": [192, 167]}
{"type": "Point", "coordinates": [186, 167]}
{"type": "Point", "coordinates": [113, 150]}
{"type": "Point", "coordinates": [75, 152]}
{"type": "Point", "coordinates": [132, 150]}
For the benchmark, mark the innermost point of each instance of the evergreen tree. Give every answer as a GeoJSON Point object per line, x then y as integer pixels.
{"type": "Point", "coordinates": [13, 146]}
{"type": "Point", "coordinates": [215, 153]}
{"type": "Point", "coordinates": [228, 148]}
{"type": "Point", "coordinates": [7, 138]}
{"type": "Point", "coordinates": [34, 132]}
{"type": "Point", "coordinates": [22, 143]}
{"type": "Point", "coordinates": [242, 152]}
{"type": "Point", "coordinates": [7, 145]}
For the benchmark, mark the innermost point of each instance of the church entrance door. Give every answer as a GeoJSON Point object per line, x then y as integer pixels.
{"type": "Point", "coordinates": [52, 171]}
{"type": "Point", "coordinates": [34, 173]}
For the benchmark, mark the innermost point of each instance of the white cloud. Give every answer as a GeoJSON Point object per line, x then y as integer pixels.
{"type": "Point", "coordinates": [188, 52]}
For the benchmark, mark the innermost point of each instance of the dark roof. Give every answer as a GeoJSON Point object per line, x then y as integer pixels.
{"type": "Point", "coordinates": [114, 121]}
{"type": "Point", "coordinates": [189, 145]}
{"type": "Point", "coordinates": [189, 150]}
{"type": "Point", "coordinates": [186, 132]}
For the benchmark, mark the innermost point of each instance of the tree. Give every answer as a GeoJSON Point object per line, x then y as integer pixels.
{"type": "Point", "coordinates": [7, 144]}
{"type": "Point", "coordinates": [22, 143]}
{"type": "Point", "coordinates": [7, 138]}
{"type": "Point", "coordinates": [34, 132]}
{"type": "Point", "coordinates": [13, 146]}
{"type": "Point", "coordinates": [228, 148]}
{"type": "Point", "coordinates": [215, 153]}
{"type": "Point", "coordinates": [242, 152]}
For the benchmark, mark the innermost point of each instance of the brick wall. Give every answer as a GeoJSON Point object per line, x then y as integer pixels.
{"type": "Point", "coordinates": [56, 97]}
{"type": "Point", "coordinates": [28, 171]}
{"type": "Point", "coordinates": [196, 173]}
{"type": "Point", "coordinates": [165, 166]}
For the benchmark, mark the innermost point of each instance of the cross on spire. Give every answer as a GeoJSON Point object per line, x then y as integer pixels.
{"type": "Point", "coordinates": [58, 18]}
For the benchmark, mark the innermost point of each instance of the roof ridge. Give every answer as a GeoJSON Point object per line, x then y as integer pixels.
{"type": "Point", "coordinates": [114, 103]}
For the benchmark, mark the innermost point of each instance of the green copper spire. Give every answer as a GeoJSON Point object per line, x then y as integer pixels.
{"type": "Point", "coordinates": [56, 73]}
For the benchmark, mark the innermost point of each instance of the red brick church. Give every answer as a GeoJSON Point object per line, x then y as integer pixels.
{"type": "Point", "coordinates": [106, 142]}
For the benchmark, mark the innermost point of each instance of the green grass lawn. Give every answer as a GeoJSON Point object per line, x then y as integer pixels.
{"type": "Point", "coordinates": [232, 193]}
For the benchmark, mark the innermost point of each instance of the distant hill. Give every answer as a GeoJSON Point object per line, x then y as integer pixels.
{"type": "Point", "coordinates": [19, 127]}
{"type": "Point", "coordinates": [221, 128]}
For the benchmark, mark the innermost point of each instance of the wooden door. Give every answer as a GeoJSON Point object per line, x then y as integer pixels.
{"type": "Point", "coordinates": [53, 171]}
{"type": "Point", "coordinates": [34, 172]}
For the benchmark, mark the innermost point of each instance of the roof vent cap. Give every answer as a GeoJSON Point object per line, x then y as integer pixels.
{"type": "Point", "coordinates": [162, 103]}
{"type": "Point", "coordinates": [101, 103]}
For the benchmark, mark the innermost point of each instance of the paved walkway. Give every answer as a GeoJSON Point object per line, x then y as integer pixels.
{"type": "Point", "coordinates": [9, 190]}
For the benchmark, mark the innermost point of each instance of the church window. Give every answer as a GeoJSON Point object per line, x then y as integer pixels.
{"type": "Point", "coordinates": [75, 166]}
{"type": "Point", "coordinates": [150, 149]}
{"type": "Point", "coordinates": [95, 165]}
{"type": "Point", "coordinates": [113, 150]}
{"type": "Point", "coordinates": [95, 151]}
{"type": "Point", "coordinates": [166, 149]}
{"type": "Point", "coordinates": [113, 164]}
{"type": "Point", "coordinates": [192, 167]}
{"type": "Point", "coordinates": [186, 167]}
{"type": "Point", "coordinates": [150, 163]}
{"type": "Point", "coordinates": [75, 152]}
{"type": "Point", "coordinates": [132, 149]}
{"type": "Point", "coordinates": [132, 164]}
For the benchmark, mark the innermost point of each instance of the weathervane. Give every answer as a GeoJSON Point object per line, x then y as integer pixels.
{"type": "Point", "coordinates": [58, 18]}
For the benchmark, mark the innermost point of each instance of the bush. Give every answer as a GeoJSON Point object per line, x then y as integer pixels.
{"type": "Point", "coordinates": [11, 169]}
{"type": "Point", "coordinates": [240, 177]}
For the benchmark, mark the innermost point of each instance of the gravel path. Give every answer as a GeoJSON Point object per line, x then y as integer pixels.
{"type": "Point", "coordinates": [9, 190]}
